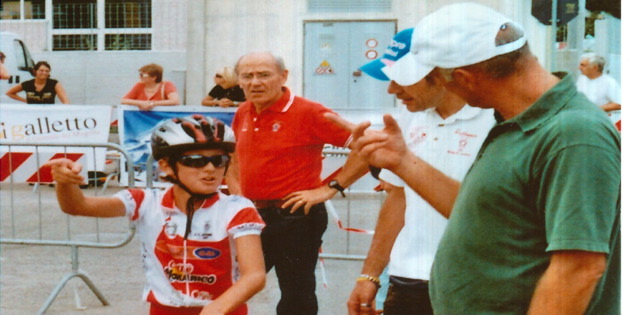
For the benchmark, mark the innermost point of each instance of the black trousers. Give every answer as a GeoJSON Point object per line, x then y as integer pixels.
{"type": "Point", "coordinates": [407, 297]}
{"type": "Point", "coordinates": [291, 244]}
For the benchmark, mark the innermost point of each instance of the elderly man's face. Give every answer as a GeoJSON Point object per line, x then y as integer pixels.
{"type": "Point", "coordinates": [426, 93]}
{"type": "Point", "coordinates": [587, 68]}
{"type": "Point", "coordinates": [261, 79]}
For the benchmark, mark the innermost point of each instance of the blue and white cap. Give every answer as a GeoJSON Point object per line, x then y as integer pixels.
{"type": "Point", "coordinates": [398, 47]}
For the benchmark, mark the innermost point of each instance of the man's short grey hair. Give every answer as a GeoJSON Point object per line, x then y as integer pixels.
{"type": "Point", "coordinates": [278, 60]}
{"type": "Point", "coordinates": [595, 59]}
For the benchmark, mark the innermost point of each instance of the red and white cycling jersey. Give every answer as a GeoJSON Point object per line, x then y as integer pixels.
{"type": "Point", "coordinates": [192, 272]}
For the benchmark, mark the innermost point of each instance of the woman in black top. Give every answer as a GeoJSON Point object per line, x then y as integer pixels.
{"type": "Point", "coordinates": [226, 92]}
{"type": "Point", "coordinates": [41, 90]}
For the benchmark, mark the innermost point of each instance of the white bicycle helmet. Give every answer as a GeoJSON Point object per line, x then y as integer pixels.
{"type": "Point", "coordinates": [177, 135]}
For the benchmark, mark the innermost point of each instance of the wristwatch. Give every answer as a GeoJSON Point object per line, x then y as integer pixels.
{"type": "Point", "coordinates": [335, 184]}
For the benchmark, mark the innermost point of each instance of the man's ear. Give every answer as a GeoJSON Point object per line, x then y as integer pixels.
{"type": "Point", "coordinates": [465, 78]}
{"type": "Point", "coordinates": [166, 167]}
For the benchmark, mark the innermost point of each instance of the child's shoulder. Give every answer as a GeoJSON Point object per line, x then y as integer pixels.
{"type": "Point", "coordinates": [236, 201]}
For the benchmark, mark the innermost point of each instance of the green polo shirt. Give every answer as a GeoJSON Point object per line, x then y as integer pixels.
{"type": "Point", "coordinates": [546, 180]}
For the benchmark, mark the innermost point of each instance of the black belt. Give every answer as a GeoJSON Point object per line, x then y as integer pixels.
{"type": "Point", "coordinates": [265, 204]}
{"type": "Point", "coordinates": [408, 282]}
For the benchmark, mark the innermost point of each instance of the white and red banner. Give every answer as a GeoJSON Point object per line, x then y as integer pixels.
{"type": "Point", "coordinates": [50, 124]}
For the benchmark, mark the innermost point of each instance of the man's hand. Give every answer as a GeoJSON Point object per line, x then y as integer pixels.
{"type": "Point", "coordinates": [65, 171]}
{"type": "Point", "coordinates": [308, 198]}
{"type": "Point", "coordinates": [361, 300]}
{"type": "Point", "coordinates": [380, 148]}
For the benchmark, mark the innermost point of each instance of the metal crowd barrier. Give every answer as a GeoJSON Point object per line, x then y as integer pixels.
{"type": "Point", "coordinates": [17, 201]}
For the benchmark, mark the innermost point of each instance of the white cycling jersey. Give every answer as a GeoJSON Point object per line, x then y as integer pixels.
{"type": "Point", "coordinates": [191, 272]}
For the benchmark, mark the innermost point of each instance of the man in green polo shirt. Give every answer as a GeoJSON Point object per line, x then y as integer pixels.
{"type": "Point", "coordinates": [534, 226]}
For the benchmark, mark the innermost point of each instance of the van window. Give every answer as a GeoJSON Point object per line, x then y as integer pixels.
{"type": "Point", "coordinates": [22, 56]}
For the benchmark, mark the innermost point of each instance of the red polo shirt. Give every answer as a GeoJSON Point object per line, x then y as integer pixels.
{"type": "Point", "coordinates": [280, 149]}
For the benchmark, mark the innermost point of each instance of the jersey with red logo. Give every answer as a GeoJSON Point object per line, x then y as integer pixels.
{"type": "Point", "coordinates": [194, 271]}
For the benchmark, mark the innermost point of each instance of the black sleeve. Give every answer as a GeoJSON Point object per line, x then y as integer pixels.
{"type": "Point", "coordinates": [217, 92]}
{"type": "Point", "coordinates": [236, 94]}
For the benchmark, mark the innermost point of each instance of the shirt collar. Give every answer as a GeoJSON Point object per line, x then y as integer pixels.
{"type": "Point", "coordinates": [465, 113]}
{"type": "Point", "coordinates": [168, 201]}
{"type": "Point", "coordinates": [547, 106]}
{"type": "Point", "coordinates": [281, 105]}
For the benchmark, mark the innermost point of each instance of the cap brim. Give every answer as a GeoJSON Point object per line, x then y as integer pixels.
{"type": "Point", "coordinates": [407, 70]}
{"type": "Point", "coordinates": [373, 69]}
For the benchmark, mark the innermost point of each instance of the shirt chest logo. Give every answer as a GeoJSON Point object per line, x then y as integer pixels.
{"type": "Point", "coordinates": [464, 137]}
{"type": "Point", "coordinates": [276, 126]}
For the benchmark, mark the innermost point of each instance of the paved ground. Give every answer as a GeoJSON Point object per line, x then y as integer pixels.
{"type": "Point", "coordinates": [30, 273]}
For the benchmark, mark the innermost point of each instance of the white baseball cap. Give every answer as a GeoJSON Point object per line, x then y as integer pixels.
{"type": "Point", "coordinates": [454, 36]}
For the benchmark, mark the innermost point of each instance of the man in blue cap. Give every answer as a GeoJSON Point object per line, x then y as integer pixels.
{"type": "Point", "coordinates": [446, 133]}
{"type": "Point", "coordinates": [534, 228]}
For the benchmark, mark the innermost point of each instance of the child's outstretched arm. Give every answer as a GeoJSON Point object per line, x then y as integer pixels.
{"type": "Point", "coordinates": [71, 199]}
{"type": "Point", "coordinates": [252, 277]}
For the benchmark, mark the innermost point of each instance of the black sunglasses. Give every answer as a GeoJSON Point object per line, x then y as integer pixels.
{"type": "Point", "coordinates": [199, 161]}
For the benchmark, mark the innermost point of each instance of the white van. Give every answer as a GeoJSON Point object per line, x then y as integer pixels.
{"type": "Point", "coordinates": [18, 62]}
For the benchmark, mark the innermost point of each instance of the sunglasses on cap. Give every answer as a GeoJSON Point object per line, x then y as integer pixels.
{"type": "Point", "coordinates": [199, 161]}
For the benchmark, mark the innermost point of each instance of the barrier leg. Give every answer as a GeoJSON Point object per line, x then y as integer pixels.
{"type": "Point", "coordinates": [75, 273]}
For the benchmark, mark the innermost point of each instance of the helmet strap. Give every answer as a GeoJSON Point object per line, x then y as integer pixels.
{"type": "Point", "coordinates": [190, 203]}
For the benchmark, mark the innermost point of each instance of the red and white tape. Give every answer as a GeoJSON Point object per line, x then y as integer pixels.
{"type": "Point", "coordinates": [26, 166]}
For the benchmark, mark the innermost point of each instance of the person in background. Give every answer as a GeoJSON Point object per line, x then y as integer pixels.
{"type": "Point", "coordinates": [4, 73]}
{"type": "Point", "coordinates": [151, 91]}
{"type": "Point", "coordinates": [40, 90]}
{"type": "Point", "coordinates": [534, 227]}
{"type": "Point", "coordinates": [598, 87]}
{"type": "Point", "coordinates": [201, 249]}
{"type": "Point", "coordinates": [226, 92]}
{"type": "Point", "coordinates": [279, 143]}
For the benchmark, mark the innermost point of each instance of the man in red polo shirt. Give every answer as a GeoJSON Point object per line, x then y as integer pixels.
{"type": "Point", "coordinates": [280, 137]}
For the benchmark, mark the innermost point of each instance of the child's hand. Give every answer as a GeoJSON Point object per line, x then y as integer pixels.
{"type": "Point", "coordinates": [65, 171]}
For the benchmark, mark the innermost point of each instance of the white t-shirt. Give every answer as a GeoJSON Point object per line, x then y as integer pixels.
{"type": "Point", "coordinates": [600, 90]}
{"type": "Point", "coordinates": [450, 145]}
{"type": "Point", "coordinates": [191, 272]}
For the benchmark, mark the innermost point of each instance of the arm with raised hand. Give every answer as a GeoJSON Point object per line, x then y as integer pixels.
{"type": "Point", "coordinates": [387, 149]}
{"type": "Point", "coordinates": [66, 174]}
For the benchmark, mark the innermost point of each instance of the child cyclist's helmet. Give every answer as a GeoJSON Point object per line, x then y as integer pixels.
{"type": "Point", "coordinates": [177, 135]}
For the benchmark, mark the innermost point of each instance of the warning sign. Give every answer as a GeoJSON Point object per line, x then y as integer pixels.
{"type": "Point", "coordinates": [324, 68]}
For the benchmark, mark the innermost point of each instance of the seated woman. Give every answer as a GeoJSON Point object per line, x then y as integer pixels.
{"type": "Point", "coordinates": [151, 91]}
{"type": "Point", "coordinates": [41, 90]}
{"type": "Point", "coordinates": [226, 92]}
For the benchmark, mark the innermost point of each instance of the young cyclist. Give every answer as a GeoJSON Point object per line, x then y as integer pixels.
{"type": "Point", "coordinates": [192, 235]}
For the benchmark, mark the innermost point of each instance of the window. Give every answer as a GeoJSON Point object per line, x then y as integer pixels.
{"type": "Point", "coordinates": [33, 9]}
{"type": "Point", "coordinates": [74, 14]}
{"type": "Point", "coordinates": [119, 25]}
{"type": "Point", "coordinates": [127, 14]}
{"type": "Point", "coordinates": [74, 42]}
{"type": "Point", "coordinates": [349, 5]}
{"type": "Point", "coordinates": [127, 41]}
